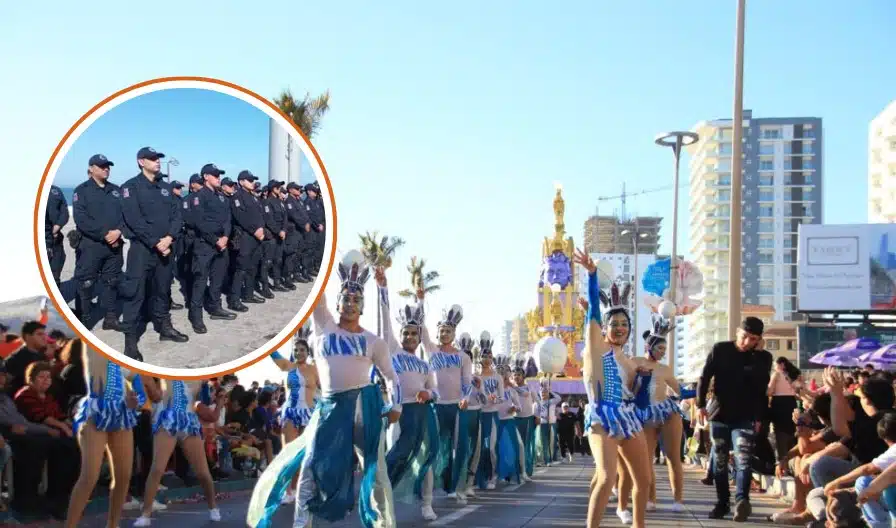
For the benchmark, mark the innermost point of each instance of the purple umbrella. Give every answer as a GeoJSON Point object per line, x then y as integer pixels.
{"type": "Point", "coordinates": [834, 359]}
{"type": "Point", "coordinates": [884, 356]}
{"type": "Point", "coordinates": [847, 354]}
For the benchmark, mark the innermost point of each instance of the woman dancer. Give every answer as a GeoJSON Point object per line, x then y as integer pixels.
{"type": "Point", "coordinates": [525, 418]}
{"type": "Point", "coordinates": [473, 417]}
{"type": "Point", "coordinates": [610, 421]}
{"type": "Point", "coordinates": [347, 421]}
{"type": "Point", "coordinates": [176, 422]}
{"type": "Point", "coordinates": [103, 423]}
{"type": "Point", "coordinates": [508, 448]}
{"type": "Point", "coordinates": [492, 386]}
{"type": "Point", "coordinates": [658, 407]}
{"type": "Point", "coordinates": [414, 439]}
{"type": "Point", "coordinates": [545, 439]}
{"type": "Point", "coordinates": [301, 384]}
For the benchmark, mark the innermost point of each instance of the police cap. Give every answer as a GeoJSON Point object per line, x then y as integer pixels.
{"type": "Point", "coordinates": [246, 175]}
{"type": "Point", "coordinates": [227, 182]}
{"type": "Point", "coordinates": [211, 169]}
{"type": "Point", "coordinates": [195, 178]}
{"type": "Point", "coordinates": [176, 184]}
{"type": "Point", "coordinates": [149, 153]}
{"type": "Point", "coordinates": [100, 161]}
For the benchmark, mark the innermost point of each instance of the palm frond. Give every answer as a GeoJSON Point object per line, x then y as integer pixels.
{"type": "Point", "coordinates": [406, 293]}
{"type": "Point", "coordinates": [432, 288]}
{"type": "Point", "coordinates": [430, 276]}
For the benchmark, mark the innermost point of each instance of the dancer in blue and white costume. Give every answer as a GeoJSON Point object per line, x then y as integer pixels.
{"type": "Point", "coordinates": [492, 387]}
{"type": "Point", "coordinates": [454, 381]}
{"type": "Point", "coordinates": [610, 378]}
{"type": "Point", "coordinates": [546, 450]}
{"type": "Point", "coordinates": [525, 418]}
{"type": "Point", "coordinates": [413, 441]}
{"type": "Point", "coordinates": [508, 449]}
{"type": "Point", "coordinates": [175, 422]}
{"type": "Point", "coordinates": [301, 388]}
{"type": "Point", "coordinates": [103, 424]}
{"type": "Point", "coordinates": [346, 421]}
{"type": "Point", "coordinates": [472, 416]}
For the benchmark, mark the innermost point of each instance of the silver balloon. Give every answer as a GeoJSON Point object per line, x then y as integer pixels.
{"type": "Point", "coordinates": [550, 355]}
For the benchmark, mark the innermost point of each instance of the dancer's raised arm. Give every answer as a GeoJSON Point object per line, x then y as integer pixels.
{"type": "Point", "coordinates": [386, 331]}
{"type": "Point", "coordinates": [321, 316]}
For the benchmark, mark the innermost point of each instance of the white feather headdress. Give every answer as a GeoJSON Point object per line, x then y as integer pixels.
{"type": "Point", "coordinates": [452, 316]}
{"type": "Point", "coordinates": [615, 300]}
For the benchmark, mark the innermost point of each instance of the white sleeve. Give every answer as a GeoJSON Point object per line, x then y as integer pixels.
{"type": "Point", "coordinates": [500, 389]}
{"type": "Point", "coordinates": [382, 360]}
{"type": "Point", "coordinates": [386, 330]}
{"type": "Point", "coordinates": [321, 317]}
{"type": "Point", "coordinates": [466, 377]}
{"type": "Point", "coordinates": [430, 385]}
{"type": "Point", "coordinates": [429, 346]}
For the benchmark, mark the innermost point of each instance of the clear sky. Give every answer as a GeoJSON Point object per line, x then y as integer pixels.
{"type": "Point", "coordinates": [193, 126]}
{"type": "Point", "coordinates": [451, 122]}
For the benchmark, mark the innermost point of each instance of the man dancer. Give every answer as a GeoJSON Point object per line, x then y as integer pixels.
{"type": "Point", "coordinates": [742, 370]}
{"type": "Point", "coordinates": [153, 218]}
{"type": "Point", "coordinates": [248, 216]}
{"type": "Point", "coordinates": [546, 433]}
{"type": "Point", "coordinates": [473, 417]}
{"type": "Point", "coordinates": [454, 381]}
{"type": "Point", "coordinates": [347, 422]}
{"type": "Point", "coordinates": [414, 440]}
{"type": "Point", "coordinates": [525, 419]}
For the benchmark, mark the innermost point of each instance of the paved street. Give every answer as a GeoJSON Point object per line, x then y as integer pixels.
{"type": "Point", "coordinates": [556, 498]}
{"type": "Point", "coordinates": [225, 340]}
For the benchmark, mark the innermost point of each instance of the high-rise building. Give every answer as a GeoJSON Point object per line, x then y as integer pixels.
{"type": "Point", "coordinates": [782, 188]}
{"type": "Point", "coordinates": [882, 167]}
{"type": "Point", "coordinates": [519, 336]}
{"type": "Point", "coordinates": [612, 235]}
{"type": "Point", "coordinates": [502, 344]}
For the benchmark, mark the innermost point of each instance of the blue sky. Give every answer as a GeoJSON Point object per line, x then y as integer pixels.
{"type": "Point", "coordinates": [193, 126]}
{"type": "Point", "coordinates": [451, 122]}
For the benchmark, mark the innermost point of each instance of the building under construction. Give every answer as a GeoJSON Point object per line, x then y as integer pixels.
{"type": "Point", "coordinates": [604, 234]}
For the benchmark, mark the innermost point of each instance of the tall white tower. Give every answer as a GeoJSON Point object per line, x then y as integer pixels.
{"type": "Point", "coordinates": [278, 150]}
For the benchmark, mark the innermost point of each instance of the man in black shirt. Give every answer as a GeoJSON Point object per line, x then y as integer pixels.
{"type": "Point", "coordinates": [34, 334]}
{"type": "Point", "coordinates": [742, 370]}
{"type": "Point", "coordinates": [566, 430]}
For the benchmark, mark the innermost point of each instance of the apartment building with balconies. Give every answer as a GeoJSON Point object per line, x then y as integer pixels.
{"type": "Point", "coordinates": [882, 167]}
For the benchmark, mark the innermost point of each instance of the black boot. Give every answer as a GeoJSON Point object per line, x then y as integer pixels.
{"type": "Point", "coordinates": [287, 285]}
{"type": "Point", "coordinates": [175, 306]}
{"type": "Point", "coordinates": [253, 299]}
{"type": "Point", "coordinates": [237, 306]}
{"type": "Point", "coordinates": [218, 313]}
{"type": "Point", "coordinates": [130, 347]}
{"type": "Point", "coordinates": [167, 332]}
{"type": "Point", "coordinates": [278, 287]}
{"type": "Point", "coordinates": [110, 322]}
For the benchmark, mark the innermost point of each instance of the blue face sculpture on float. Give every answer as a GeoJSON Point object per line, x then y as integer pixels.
{"type": "Point", "coordinates": [555, 270]}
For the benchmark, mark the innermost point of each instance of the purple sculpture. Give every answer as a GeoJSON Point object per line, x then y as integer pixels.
{"type": "Point", "coordinates": [555, 270]}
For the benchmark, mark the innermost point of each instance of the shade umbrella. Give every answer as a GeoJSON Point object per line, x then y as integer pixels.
{"type": "Point", "coordinates": [847, 354]}
{"type": "Point", "coordinates": [884, 356]}
{"type": "Point", "coordinates": [834, 359]}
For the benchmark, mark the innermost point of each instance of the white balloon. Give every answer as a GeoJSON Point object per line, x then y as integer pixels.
{"type": "Point", "coordinates": [353, 257]}
{"type": "Point", "coordinates": [667, 309]}
{"type": "Point", "coordinates": [550, 355]}
{"type": "Point", "coordinates": [605, 273]}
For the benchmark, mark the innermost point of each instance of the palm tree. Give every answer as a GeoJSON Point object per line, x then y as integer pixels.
{"type": "Point", "coordinates": [307, 113]}
{"type": "Point", "coordinates": [378, 252]}
{"type": "Point", "coordinates": [420, 280]}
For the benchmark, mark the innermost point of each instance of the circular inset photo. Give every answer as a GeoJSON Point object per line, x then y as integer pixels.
{"type": "Point", "coordinates": [185, 227]}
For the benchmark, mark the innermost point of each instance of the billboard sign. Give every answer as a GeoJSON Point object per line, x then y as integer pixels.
{"type": "Point", "coordinates": [814, 339]}
{"type": "Point", "coordinates": [847, 268]}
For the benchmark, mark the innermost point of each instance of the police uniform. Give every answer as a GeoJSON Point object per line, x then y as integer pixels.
{"type": "Point", "coordinates": [55, 215]}
{"type": "Point", "coordinates": [183, 246]}
{"type": "Point", "coordinates": [248, 217]}
{"type": "Point", "coordinates": [233, 246]}
{"type": "Point", "coordinates": [295, 248]}
{"type": "Point", "coordinates": [151, 213]}
{"type": "Point", "coordinates": [209, 216]}
{"type": "Point", "coordinates": [315, 208]}
{"type": "Point", "coordinates": [97, 211]}
{"type": "Point", "coordinates": [275, 221]}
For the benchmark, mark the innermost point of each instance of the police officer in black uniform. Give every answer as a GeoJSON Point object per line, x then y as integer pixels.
{"type": "Point", "coordinates": [177, 189]}
{"type": "Point", "coordinates": [248, 218]}
{"type": "Point", "coordinates": [185, 259]}
{"type": "Point", "coordinates": [55, 218]}
{"type": "Point", "coordinates": [276, 221]}
{"type": "Point", "coordinates": [152, 218]}
{"type": "Point", "coordinates": [297, 227]}
{"type": "Point", "coordinates": [315, 208]}
{"type": "Point", "coordinates": [228, 189]}
{"type": "Point", "coordinates": [96, 205]}
{"type": "Point", "coordinates": [210, 218]}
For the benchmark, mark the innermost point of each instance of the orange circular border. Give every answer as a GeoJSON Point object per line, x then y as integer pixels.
{"type": "Point", "coordinates": [161, 80]}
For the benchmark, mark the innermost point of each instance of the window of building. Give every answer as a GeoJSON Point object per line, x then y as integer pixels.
{"type": "Point", "coordinates": [791, 344]}
{"type": "Point", "coordinates": [766, 258]}
{"type": "Point", "coordinates": [766, 165]}
{"type": "Point", "coordinates": [766, 300]}
{"type": "Point", "coordinates": [722, 241]}
{"type": "Point", "coordinates": [788, 257]}
{"type": "Point", "coordinates": [788, 165]}
{"type": "Point", "coordinates": [808, 147]}
{"type": "Point", "coordinates": [766, 288]}
{"type": "Point", "coordinates": [766, 210]}
{"type": "Point", "coordinates": [723, 196]}
{"type": "Point", "coordinates": [767, 241]}
{"type": "Point", "coordinates": [766, 179]}
{"type": "Point", "coordinates": [771, 133]}
{"type": "Point", "coordinates": [766, 273]}
{"type": "Point", "coordinates": [766, 226]}
{"type": "Point", "coordinates": [725, 148]}
{"type": "Point", "coordinates": [724, 210]}
{"type": "Point", "coordinates": [766, 196]}
{"type": "Point", "coordinates": [724, 179]}
{"type": "Point", "coordinates": [766, 149]}
{"type": "Point", "coordinates": [807, 163]}
{"type": "Point", "coordinates": [772, 344]}
{"type": "Point", "coordinates": [788, 304]}
{"type": "Point", "coordinates": [724, 166]}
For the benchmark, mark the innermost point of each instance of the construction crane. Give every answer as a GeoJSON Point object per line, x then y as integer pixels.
{"type": "Point", "coordinates": [625, 195]}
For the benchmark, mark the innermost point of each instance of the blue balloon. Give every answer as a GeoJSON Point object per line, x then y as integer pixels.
{"type": "Point", "coordinates": [657, 277]}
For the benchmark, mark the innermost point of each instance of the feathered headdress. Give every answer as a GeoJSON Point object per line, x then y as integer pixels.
{"type": "Point", "coordinates": [302, 337]}
{"type": "Point", "coordinates": [616, 300]}
{"type": "Point", "coordinates": [485, 344]}
{"type": "Point", "coordinates": [661, 327]}
{"type": "Point", "coordinates": [465, 343]}
{"type": "Point", "coordinates": [502, 363]}
{"type": "Point", "coordinates": [545, 384]}
{"type": "Point", "coordinates": [452, 316]}
{"type": "Point", "coordinates": [410, 315]}
{"type": "Point", "coordinates": [354, 278]}
{"type": "Point", "coordinates": [304, 332]}
{"type": "Point", "coordinates": [519, 364]}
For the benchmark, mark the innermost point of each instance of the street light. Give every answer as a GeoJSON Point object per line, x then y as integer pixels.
{"type": "Point", "coordinates": [734, 236]}
{"type": "Point", "coordinates": [172, 162]}
{"type": "Point", "coordinates": [635, 234]}
{"type": "Point", "coordinates": [675, 140]}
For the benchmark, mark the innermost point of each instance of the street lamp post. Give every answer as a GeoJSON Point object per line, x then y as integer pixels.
{"type": "Point", "coordinates": [675, 140]}
{"type": "Point", "coordinates": [635, 234]}
{"type": "Point", "coordinates": [734, 236]}
{"type": "Point", "coordinates": [172, 162]}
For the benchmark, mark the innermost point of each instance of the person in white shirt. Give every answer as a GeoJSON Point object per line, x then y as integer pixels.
{"type": "Point", "coordinates": [492, 387]}
{"type": "Point", "coordinates": [508, 448]}
{"type": "Point", "coordinates": [413, 440]}
{"type": "Point", "coordinates": [472, 416]}
{"type": "Point", "coordinates": [546, 437]}
{"type": "Point", "coordinates": [347, 422]}
{"type": "Point", "coordinates": [454, 382]}
{"type": "Point", "coordinates": [525, 419]}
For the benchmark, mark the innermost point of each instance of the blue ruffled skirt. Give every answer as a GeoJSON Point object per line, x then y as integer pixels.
{"type": "Point", "coordinates": [177, 423]}
{"type": "Point", "coordinates": [619, 420]}
{"type": "Point", "coordinates": [107, 416]}
{"type": "Point", "coordinates": [656, 414]}
{"type": "Point", "coordinates": [414, 453]}
{"type": "Point", "coordinates": [297, 416]}
{"type": "Point", "coordinates": [508, 450]}
{"type": "Point", "coordinates": [488, 439]}
{"type": "Point", "coordinates": [454, 446]}
{"type": "Point", "coordinates": [526, 428]}
{"type": "Point", "coordinates": [546, 443]}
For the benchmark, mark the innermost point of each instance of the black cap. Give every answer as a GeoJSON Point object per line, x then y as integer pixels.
{"type": "Point", "coordinates": [246, 175]}
{"type": "Point", "coordinates": [275, 183]}
{"type": "Point", "coordinates": [753, 325]}
{"type": "Point", "coordinates": [312, 187]}
{"type": "Point", "coordinates": [149, 153]}
{"type": "Point", "coordinates": [257, 185]}
{"type": "Point", "coordinates": [100, 161]}
{"type": "Point", "coordinates": [195, 178]}
{"type": "Point", "coordinates": [176, 184]}
{"type": "Point", "coordinates": [293, 185]}
{"type": "Point", "coordinates": [211, 170]}
{"type": "Point", "coordinates": [227, 181]}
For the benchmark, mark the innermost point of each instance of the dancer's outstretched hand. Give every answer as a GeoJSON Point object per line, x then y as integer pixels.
{"type": "Point", "coordinates": [583, 302]}
{"type": "Point", "coordinates": [379, 274]}
{"type": "Point", "coordinates": [423, 396]}
{"type": "Point", "coordinates": [583, 259]}
{"type": "Point", "coordinates": [394, 416]}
